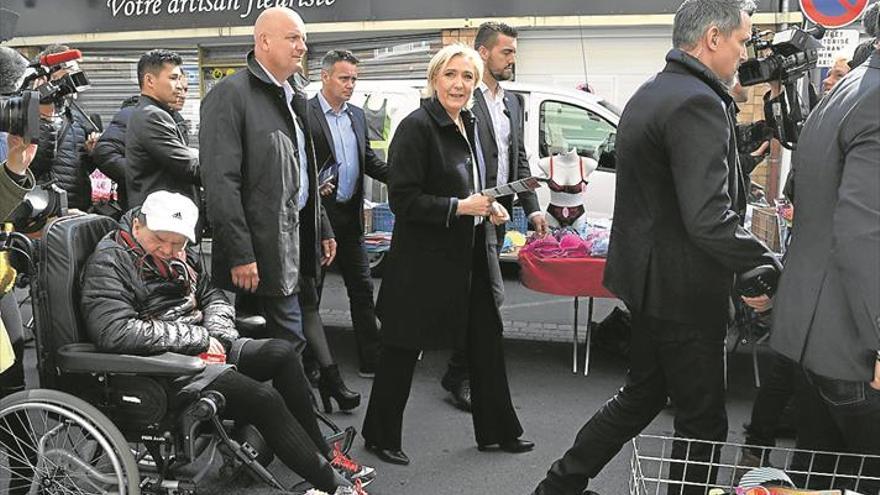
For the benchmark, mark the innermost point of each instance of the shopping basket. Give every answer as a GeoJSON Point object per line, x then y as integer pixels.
{"type": "Point", "coordinates": [652, 463]}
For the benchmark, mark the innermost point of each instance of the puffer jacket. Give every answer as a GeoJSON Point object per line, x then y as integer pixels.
{"type": "Point", "coordinates": [128, 308]}
{"type": "Point", "coordinates": [62, 157]}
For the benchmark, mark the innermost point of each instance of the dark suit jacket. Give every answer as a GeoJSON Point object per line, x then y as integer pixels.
{"type": "Point", "coordinates": [827, 310]}
{"type": "Point", "coordinates": [251, 175]}
{"type": "Point", "coordinates": [428, 269]}
{"type": "Point", "coordinates": [157, 155]}
{"type": "Point", "coordinates": [518, 166]}
{"type": "Point", "coordinates": [676, 240]}
{"type": "Point", "coordinates": [325, 152]}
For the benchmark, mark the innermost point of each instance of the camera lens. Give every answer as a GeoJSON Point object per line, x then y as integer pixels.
{"type": "Point", "coordinates": [20, 115]}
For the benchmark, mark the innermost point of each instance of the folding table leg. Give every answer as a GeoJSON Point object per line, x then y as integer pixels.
{"type": "Point", "coordinates": [574, 339]}
{"type": "Point", "coordinates": [589, 335]}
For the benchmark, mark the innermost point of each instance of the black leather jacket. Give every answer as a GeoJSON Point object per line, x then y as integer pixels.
{"type": "Point", "coordinates": [128, 309]}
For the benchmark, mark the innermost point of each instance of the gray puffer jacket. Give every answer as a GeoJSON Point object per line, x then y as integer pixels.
{"type": "Point", "coordinates": [130, 307]}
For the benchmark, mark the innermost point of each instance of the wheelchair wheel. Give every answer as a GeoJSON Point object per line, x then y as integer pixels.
{"type": "Point", "coordinates": [55, 443]}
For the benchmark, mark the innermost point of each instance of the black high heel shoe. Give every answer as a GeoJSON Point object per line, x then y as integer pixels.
{"type": "Point", "coordinates": [331, 385]}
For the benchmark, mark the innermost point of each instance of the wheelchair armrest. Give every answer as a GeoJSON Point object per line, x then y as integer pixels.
{"type": "Point", "coordinates": [250, 325]}
{"type": "Point", "coordinates": [86, 358]}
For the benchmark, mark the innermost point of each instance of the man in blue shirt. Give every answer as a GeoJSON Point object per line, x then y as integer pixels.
{"type": "Point", "coordinates": [343, 156]}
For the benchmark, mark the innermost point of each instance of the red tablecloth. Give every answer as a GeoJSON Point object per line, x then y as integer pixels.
{"type": "Point", "coordinates": [564, 276]}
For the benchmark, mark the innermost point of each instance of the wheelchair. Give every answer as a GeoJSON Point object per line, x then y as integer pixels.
{"type": "Point", "coordinates": [111, 423]}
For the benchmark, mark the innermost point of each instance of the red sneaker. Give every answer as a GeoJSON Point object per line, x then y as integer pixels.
{"type": "Point", "coordinates": [353, 472]}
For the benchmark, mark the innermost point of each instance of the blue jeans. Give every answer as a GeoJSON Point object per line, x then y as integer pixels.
{"type": "Point", "coordinates": [839, 416]}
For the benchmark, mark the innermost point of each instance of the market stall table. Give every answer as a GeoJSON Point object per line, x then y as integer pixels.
{"type": "Point", "coordinates": [575, 277]}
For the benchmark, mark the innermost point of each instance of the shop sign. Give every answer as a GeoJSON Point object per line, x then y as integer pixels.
{"type": "Point", "coordinates": [243, 8]}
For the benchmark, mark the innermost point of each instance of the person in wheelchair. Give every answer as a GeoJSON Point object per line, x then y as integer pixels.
{"type": "Point", "coordinates": [145, 292]}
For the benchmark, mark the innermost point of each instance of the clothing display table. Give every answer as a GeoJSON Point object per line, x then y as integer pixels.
{"type": "Point", "coordinates": [575, 277]}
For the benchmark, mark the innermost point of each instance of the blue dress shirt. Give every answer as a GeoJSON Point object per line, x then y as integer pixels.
{"type": "Point", "coordinates": [345, 147]}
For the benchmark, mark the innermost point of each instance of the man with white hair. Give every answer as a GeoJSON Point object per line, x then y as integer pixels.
{"type": "Point", "coordinates": [259, 176]}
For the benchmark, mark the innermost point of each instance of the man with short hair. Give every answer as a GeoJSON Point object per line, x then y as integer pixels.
{"type": "Point", "coordinates": [500, 119]}
{"type": "Point", "coordinates": [156, 152]}
{"type": "Point", "coordinates": [674, 267]}
{"type": "Point", "coordinates": [345, 157]}
{"type": "Point", "coordinates": [260, 178]}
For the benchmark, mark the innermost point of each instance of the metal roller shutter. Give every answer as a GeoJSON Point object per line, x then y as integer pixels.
{"type": "Point", "coordinates": [113, 75]}
{"type": "Point", "coordinates": [393, 57]}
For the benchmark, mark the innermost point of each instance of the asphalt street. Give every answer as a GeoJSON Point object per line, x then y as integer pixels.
{"type": "Point", "coordinates": [552, 404]}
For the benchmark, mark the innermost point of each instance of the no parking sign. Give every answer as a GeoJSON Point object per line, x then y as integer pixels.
{"type": "Point", "coordinates": [833, 14]}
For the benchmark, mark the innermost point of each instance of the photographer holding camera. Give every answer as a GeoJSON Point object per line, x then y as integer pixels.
{"type": "Point", "coordinates": [67, 137]}
{"type": "Point", "coordinates": [18, 152]}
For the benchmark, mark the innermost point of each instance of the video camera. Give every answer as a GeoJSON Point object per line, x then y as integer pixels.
{"type": "Point", "coordinates": [56, 91]}
{"type": "Point", "coordinates": [19, 109]}
{"type": "Point", "coordinates": [792, 53]}
{"type": "Point", "coordinates": [750, 136]}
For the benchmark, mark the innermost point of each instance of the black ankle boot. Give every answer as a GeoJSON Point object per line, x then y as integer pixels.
{"type": "Point", "coordinates": [331, 385]}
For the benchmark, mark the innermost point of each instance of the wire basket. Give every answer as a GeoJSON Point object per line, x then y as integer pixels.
{"type": "Point", "coordinates": [700, 466]}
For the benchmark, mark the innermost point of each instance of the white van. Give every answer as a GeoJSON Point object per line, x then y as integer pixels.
{"type": "Point", "coordinates": [556, 119]}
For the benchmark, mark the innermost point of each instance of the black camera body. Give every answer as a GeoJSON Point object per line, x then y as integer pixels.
{"type": "Point", "coordinates": [56, 91]}
{"type": "Point", "coordinates": [750, 136]}
{"type": "Point", "coordinates": [20, 114]}
{"type": "Point", "coordinates": [792, 53]}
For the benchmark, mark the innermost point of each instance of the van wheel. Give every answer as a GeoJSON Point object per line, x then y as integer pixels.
{"type": "Point", "coordinates": [377, 263]}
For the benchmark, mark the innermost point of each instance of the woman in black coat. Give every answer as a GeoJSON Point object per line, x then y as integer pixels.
{"type": "Point", "coordinates": [442, 281]}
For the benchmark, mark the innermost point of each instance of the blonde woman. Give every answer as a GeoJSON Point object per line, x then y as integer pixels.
{"type": "Point", "coordinates": [443, 281]}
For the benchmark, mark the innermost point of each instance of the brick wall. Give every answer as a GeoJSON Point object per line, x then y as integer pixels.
{"type": "Point", "coordinates": [750, 111]}
{"type": "Point", "coordinates": [466, 36]}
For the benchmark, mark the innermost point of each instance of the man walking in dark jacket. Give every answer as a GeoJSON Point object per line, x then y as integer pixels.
{"type": "Point", "coordinates": [345, 157]}
{"type": "Point", "coordinates": [260, 179]}
{"type": "Point", "coordinates": [676, 243]}
{"type": "Point", "coordinates": [155, 148]}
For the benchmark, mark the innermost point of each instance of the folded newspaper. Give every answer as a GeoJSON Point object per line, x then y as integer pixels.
{"type": "Point", "coordinates": [518, 186]}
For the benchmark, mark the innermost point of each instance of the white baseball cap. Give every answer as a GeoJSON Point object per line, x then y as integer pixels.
{"type": "Point", "coordinates": [171, 212]}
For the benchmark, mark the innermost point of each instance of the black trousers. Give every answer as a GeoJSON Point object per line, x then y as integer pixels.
{"type": "Point", "coordinates": [351, 257]}
{"type": "Point", "coordinates": [774, 395]}
{"type": "Point", "coordinates": [282, 411]}
{"type": "Point", "coordinates": [837, 416]}
{"type": "Point", "coordinates": [494, 417]}
{"type": "Point", "coordinates": [683, 362]}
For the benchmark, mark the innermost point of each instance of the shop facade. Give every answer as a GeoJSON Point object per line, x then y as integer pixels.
{"type": "Point", "coordinates": [611, 45]}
